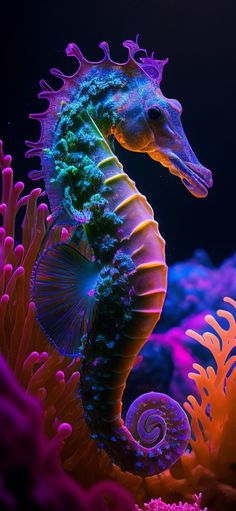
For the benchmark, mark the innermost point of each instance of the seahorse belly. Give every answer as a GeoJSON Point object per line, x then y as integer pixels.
{"type": "Point", "coordinates": [104, 371]}
{"type": "Point", "coordinates": [140, 238]}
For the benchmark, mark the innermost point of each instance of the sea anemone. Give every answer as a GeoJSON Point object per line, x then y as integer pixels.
{"type": "Point", "coordinates": [53, 379]}
{"type": "Point", "coordinates": [31, 475]}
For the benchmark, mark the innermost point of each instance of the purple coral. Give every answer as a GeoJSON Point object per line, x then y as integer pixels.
{"type": "Point", "coordinates": [196, 286]}
{"type": "Point", "coordinates": [159, 505]}
{"type": "Point", "coordinates": [31, 476]}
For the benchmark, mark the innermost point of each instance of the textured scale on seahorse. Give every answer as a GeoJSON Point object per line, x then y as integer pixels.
{"type": "Point", "coordinates": [101, 293]}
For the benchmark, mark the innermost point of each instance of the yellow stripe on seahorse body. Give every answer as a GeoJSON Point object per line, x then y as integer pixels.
{"type": "Point", "coordinates": [148, 311]}
{"type": "Point", "coordinates": [122, 175]}
{"type": "Point", "coordinates": [142, 225]}
{"type": "Point", "coordinates": [151, 264]}
{"type": "Point", "coordinates": [132, 197]}
{"type": "Point", "coordinates": [126, 201]}
{"type": "Point", "coordinates": [137, 251]}
{"type": "Point", "coordinates": [109, 159]}
{"type": "Point", "coordinates": [152, 292]}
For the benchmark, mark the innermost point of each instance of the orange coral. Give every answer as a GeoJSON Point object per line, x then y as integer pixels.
{"type": "Point", "coordinates": [213, 420]}
{"type": "Point", "coordinates": [210, 466]}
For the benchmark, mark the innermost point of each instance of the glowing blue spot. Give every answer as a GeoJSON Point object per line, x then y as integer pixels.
{"type": "Point", "coordinates": [140, 453]}
{"type": "Point", "coordinates": [139, 464]}
{"type": "Point", "coordinates": [110, 344]}
{"type": "Point", "coordinates": [89, 406]}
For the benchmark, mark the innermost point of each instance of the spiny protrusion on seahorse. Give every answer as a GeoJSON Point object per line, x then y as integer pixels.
{"type": "Point", "coordinates": [101, 293]}
{"type": "Point", "coordinates": [105, 47]}
{"type": "Point", "coordinates": [72, 50]}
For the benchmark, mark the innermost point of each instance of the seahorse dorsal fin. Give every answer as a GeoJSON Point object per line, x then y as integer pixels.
{"type": "Point", "coordinates": [63, 285]}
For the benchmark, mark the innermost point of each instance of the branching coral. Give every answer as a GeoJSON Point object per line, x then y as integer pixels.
{"type": "Point", "coordinates": [217, 389]}
{"type": "Point", "coordinates": [53, 379]}
{"type": "Point", "coordinates": [210, 466]}
{"type": "Point", "coordinates": [159, 505]}
{"type": "Point", "coordinates": [213, 419]}
{"type": "Point", "coordinates": [195, 288]}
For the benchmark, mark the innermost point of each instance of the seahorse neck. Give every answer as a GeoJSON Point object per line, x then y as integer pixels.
{"type": "Point", "coordinates": [100, 94]}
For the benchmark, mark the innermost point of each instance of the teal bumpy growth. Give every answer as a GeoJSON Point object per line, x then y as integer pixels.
{"type": "Point", "coordinates": [101, 293]}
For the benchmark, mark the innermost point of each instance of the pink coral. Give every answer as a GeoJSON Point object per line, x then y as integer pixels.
{"type": "Point", "coordinates": [31, 476]}
{"type": "Point", "coordinates": [159, 505]}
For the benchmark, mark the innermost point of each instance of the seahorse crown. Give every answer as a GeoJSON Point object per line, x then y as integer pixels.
{"type": "Point", "coordinates": [152, 67]}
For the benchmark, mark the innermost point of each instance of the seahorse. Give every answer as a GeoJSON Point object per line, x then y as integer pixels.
{"type": "Point", "coordinates": [100, 294]}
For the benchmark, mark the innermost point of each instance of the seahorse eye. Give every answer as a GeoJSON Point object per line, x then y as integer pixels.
{"type": "Point", "coordinates": [154, 113]}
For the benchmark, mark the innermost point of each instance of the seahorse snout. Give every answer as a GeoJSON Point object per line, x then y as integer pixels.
{"type": "Point", "coordinates": [195, 177]}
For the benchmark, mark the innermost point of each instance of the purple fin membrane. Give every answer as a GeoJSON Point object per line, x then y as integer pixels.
{"type": "Point", "coordinates": [63, 285]}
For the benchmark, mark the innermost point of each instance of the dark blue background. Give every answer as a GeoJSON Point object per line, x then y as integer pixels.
{"type": "Point", "coordinates": [198, 37]}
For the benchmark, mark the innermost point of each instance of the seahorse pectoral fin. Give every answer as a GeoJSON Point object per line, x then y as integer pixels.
{"type": "Point", "coordinates": [63, 284]}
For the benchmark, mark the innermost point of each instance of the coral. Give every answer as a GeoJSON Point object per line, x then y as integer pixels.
{"type": "Point", "coordinates": [196, 286]}
{"type": "Point", "coordinates": [213, 418]}
{"type": "Point", "coordinates": [31, 475]}
{"type": "Point", "coordinates": [159, 505]}
{"type": "Point", "coordinates": [209, 467]}
{"type": "Point", "coordinates": [165, 361]}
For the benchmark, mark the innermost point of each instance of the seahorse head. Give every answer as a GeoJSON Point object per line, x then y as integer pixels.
{"type": "Point", "coordinates": [125, 100]}
{"type": "Point", "coordinates": [151, 123]}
